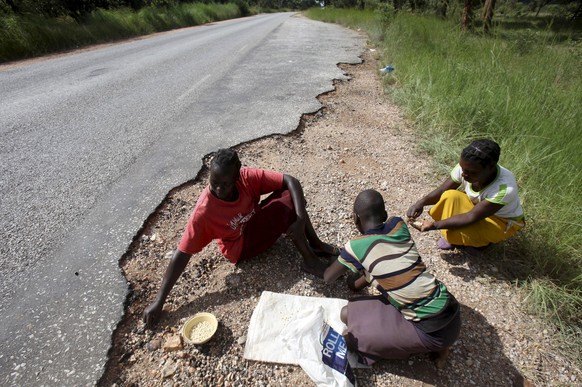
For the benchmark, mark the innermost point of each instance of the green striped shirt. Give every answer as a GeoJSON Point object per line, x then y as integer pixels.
{"type": "Point", "coordinates": [390, 261]}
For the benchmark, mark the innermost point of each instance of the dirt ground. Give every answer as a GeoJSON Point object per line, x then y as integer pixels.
{"type": "Point", "coordinates": [359, 140]}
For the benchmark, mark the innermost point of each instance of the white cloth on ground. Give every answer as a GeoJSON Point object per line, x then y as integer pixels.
{"type": "Point", "coordinates": [274, 314]}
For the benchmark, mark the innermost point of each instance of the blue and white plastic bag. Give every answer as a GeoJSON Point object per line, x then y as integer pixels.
{"type": "Point", "coordinates": [322, 350]}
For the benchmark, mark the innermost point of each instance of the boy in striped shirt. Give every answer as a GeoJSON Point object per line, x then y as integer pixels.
{"type": "Point", "coordinates": [414, 312]}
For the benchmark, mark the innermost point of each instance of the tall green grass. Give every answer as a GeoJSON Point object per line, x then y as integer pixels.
{"type": "Point", "coordinates": [524, 94]}
{"type": "Point", "coordinates": [367, 20]}
{"type": "Point", "coordinates": [29, 36]}
{"type": "Point", "coordinates": [523, 89]}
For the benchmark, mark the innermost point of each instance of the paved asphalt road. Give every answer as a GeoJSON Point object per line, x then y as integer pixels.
{"type": "Point", "coordinates": [92, 141]}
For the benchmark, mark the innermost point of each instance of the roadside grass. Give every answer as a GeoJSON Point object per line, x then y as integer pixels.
{"type": "Point", "coordinates": [367, 20]}
{"type": "Point", "coordinates": [522, 88]}
{"type": "Point", "coordinates": [29, 36]}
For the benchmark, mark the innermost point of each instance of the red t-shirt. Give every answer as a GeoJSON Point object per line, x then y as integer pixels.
{"type": "Point", "coordinates": [214, 218]}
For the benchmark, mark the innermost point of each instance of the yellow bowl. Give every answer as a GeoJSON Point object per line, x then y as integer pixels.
{"type": "Point", "coordinates": [199, 328]}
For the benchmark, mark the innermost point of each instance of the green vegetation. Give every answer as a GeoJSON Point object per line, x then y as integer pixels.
{"type": "Point", "coordinates": [31, 28]}
{"type": "Point", "coordinates": [368, 20]}
{"type": "Point", "coordinates": [517, 80]}
{"type": "Point", "coordinates": [521, 86]}
{"type": "Point", "coordinates": [32, 35]}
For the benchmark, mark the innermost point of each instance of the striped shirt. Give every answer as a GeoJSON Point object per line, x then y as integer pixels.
{"type": "Point", "coordinates": [388, 257]}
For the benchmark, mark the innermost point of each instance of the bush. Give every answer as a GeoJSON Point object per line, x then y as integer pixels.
{"type": "Point", "coordinates": [27, 36]}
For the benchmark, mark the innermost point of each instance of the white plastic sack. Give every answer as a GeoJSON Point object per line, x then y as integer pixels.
{"type": "Point", "coordinates": [321, 350]}
{"type": "Point", "coordinates": [275, 314]}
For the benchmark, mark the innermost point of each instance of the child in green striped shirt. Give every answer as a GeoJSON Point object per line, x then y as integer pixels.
{"type": "Point", "coordinates": [413, 312]}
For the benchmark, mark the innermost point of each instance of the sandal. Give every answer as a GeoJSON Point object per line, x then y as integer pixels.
{"type": "Point", "coordinates": [443, 244]}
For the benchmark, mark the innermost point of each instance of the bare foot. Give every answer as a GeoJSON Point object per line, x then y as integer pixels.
{"type": "Point", "coordinates": [325, 250]}
{"type": "Point", "coordinates": [315, 268]}
{"type": "Point", "coordinates": [443, 244]}
{"type": "Point", "coordinates": [440, 358]}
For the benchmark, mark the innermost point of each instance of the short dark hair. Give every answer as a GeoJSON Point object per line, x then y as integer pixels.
{"type": "Point", "coordinates": [225, 158]}
{"type": "Point", "coordinates": [484, 152]}
{"type": "Point", "coordinates": [369, 204]}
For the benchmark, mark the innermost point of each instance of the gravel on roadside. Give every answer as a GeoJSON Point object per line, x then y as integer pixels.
{"type": "Point", "coordinates": [358, 140]}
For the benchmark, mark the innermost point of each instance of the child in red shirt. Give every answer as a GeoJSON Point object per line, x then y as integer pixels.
{"type": "Point", "coordinates": [230, 211]}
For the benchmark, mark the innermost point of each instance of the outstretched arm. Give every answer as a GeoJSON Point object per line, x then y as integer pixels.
{"type": "Point", "coordinates": [334, 271]}
{"type": "Point", "coordinates": [355, 282]}
{"type": "Point", "coordinates": [433, 197]}
{"type": "Point", "coordinates": [174, 270]}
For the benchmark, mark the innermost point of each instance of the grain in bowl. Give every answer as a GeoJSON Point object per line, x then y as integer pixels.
{"type": "Point", "coordinates": [200, 328]}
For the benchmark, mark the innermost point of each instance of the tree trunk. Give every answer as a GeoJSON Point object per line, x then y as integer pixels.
{"type": "Point", "coordinates": [542, 5]}
{"type": "Point", "coordinates": [577, 13]}
{"type": "Point", "coordinates": [13, 6]}
{"type": "Point", "coordinates": [488, 14]}
{"type": "Point", "coordinates": [467, 16]}
{"type": "Point", "coordinates": [442, 10]}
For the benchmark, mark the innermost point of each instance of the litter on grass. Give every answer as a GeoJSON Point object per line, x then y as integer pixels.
{"type": "Point", "coordinates": [387, 70]}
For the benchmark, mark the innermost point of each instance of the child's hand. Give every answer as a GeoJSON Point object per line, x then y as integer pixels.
{"type": "Point", "coordinates": [151, 314]}
{"type": "Point", "coordinates": [414, 211]}
{"type": "Point", "coordinates": [356, 282]}
{"type": "Point", "coordinates": [417, 224]}
{"type": "Point", "coordinates": [422, 225]}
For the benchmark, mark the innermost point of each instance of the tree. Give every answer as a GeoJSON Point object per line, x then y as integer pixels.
{"type": "Point", "coordinates": [467, 17]}
{"type": "Point", "coordinates": [488, 14]}
{"type": "Point", "coordinates": [442, 8]}
{"type": "Point", "coordinates": [12, 6]}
